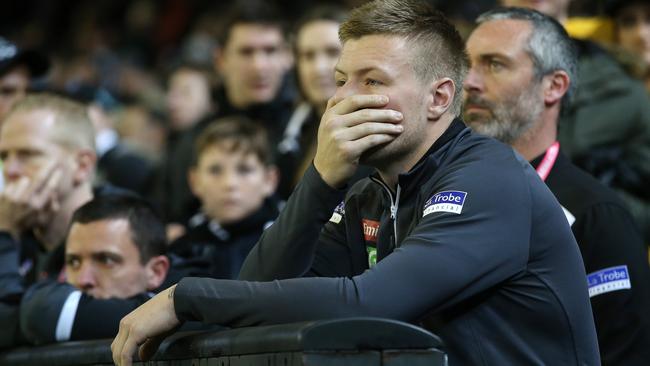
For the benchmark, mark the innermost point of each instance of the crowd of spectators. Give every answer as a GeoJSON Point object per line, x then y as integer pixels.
{"type": "Point", "coordinates": [190, 123]}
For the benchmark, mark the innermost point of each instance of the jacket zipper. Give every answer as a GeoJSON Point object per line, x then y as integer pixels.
{"type": "Point", "coordinates": [394, 204]}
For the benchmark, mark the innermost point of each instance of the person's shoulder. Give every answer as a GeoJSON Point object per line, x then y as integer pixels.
{"type": "Point", "coordinates": [477, 152]}
{"type": "Point", "coordinates": [579, 190]}
{"type": "Point", "coordinates": [198, 235]}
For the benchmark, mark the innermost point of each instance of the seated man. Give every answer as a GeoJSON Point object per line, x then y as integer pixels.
{"type": "Point", "coordinates": [234, 178]}
{"type": "Point", "coordinates": [469, 241]}
{"type": "Point", "coordinates": [47, 147]}
{"type": "Point", "coordinates": [114, 255]}
{"type": "Point", "coordinates": [523, 73]}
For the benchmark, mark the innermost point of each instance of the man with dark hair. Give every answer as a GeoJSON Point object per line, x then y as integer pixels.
{"type": "Point", "coordinates": [115, 254]}
{"type": "Point", "coordinates": [523, 67]}
{"type": "Point", "coordinates": [456, 232]}
{"type": "Point", "coordinates": [252, 63]}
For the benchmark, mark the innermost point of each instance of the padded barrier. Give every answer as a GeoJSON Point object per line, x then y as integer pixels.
{"type": "Point", "coordinates": [351, 341]}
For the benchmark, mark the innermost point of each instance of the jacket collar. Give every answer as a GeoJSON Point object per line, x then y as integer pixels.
{"type": "Point", "coordinates": [430, 161]}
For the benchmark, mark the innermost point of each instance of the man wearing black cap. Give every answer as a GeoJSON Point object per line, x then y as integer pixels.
{"type": "Point", "coordinates": [17, 68]}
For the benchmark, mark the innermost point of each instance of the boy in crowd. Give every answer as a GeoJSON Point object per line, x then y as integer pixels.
{"type": "Point", "coordinates": [233, 176]}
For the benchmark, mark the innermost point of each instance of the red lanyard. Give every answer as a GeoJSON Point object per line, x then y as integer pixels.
{"type": "Point", "coordinates": [544, 168]}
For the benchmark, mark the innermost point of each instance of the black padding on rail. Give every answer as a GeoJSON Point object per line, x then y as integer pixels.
{"type": "Point", "coordinates": [323, 337]}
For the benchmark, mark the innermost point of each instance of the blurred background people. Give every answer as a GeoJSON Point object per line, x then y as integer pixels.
{"type": "Point", "coordinates": [189, 103]}
{"type": "Point", "coordinates": [234, 177]}
{"type": "Point", "coordinates": [317, 49]}
{"type": "Point", "coordinates": [118, 163]}
{"type": "Point", "coordinates": [47, 145]}
{"type": "Point", "coordinates": [632, 31]}
{"type": "Point", "coordinates": [18, 68]}
{"type": "Point", "coordinates": [252, 64]}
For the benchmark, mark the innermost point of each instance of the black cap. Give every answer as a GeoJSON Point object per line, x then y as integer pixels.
{"type": "Point", "coordinates": [11, 55]}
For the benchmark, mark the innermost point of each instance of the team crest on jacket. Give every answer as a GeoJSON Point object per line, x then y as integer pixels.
{"type": "Point", "coordinates": [445, 201]}
{"type": "Point", "coordinates": [339, 212]}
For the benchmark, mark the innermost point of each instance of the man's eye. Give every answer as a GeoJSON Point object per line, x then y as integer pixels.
{"type": "Point", "coordinates": [72, 263]}
{"type": "Point", "coordinates": [373, 82]}
{"type": "Point", "coordinates": [340, 82]}
{"type": "Point", "coordinates": [496, 66]}
{"type": "Point", "coordinates": [106, 260]}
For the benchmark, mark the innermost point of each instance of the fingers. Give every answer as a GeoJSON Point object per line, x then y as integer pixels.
{"type": "Point", "coordinates": [369, 128]}
{"type": "Point", "coordinates": [125, 343]}
{"type": "Point", "coordinates": [43, 176]}
{"type": "Point", "coordinates": [367, 142]}
{"type": "Point", "coordinates": [355, 102]}
{"type": "Point", "coordinates": [149, 347]}
{"type": "Point", "coordinates": [370, 115]}
{"type": "Point", "coordinates": [35, 193]}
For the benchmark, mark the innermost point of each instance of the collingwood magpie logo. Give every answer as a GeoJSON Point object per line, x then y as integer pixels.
{"type": "Point", "coordinates": [338, 214]}
{"type": "Point", "coordinates": [445, 201]}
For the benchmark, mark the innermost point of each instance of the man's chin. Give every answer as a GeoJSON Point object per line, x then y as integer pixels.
{"type": "Point", "coordinates": [375, 156]}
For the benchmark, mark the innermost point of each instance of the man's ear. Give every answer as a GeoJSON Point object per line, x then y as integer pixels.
{"type": "Point", "coordinates": [441, 97]}
{"type": "Point", "coordinates": [156, 268]}
{"type": "Point", "coordinates": [271, 181]}
{"type": "Point", "coordinates": [86, 161]}
{"type": "Point", "coordinates": [556, 86]}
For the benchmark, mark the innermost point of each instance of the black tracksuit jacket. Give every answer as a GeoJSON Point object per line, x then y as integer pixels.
{"type": "Point", "coordinates": [472, 246]}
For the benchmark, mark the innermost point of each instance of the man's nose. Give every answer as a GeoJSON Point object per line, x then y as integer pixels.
{"type": "Point", "coordinates": [12, 168]}
{"type": "Point", "coordinates": [345, 91]}
{"type": "Point", "coordinates": [323, 66]}
{"type": "Point", "coordinates": [259, 60]}
{"type": "Point", "coordinates": [473, 81]}
{"type": "Point", "coordinates": [86, 279]}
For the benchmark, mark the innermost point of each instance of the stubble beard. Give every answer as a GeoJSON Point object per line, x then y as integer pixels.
{"type": "Point", "coordinates": [509, 120]}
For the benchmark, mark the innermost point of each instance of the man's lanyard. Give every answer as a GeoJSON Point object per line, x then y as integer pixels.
{"type": "Point", "coordinates": [545, 166]}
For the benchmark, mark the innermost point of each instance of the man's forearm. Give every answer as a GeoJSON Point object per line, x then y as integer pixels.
{"type": "Point", "coordinates": [286, 249]}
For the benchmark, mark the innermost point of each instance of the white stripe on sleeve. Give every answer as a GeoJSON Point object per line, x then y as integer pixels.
{"type": "Point", "coordinates": [66, 318]}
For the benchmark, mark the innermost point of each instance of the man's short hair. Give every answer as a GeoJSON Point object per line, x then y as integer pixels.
{"type": "Point", "coordinates": [255, 12]}
{"type": "Point", "coordinates": [549, 45]}
{"type": "Point", "coordinates": [439, 50]}
{"type": "Point", "coordinates": [73, 128]}
{"type": "Point", "coordinates": [237, 134]}
{"type": "Point", "coordinates": [147, 228]}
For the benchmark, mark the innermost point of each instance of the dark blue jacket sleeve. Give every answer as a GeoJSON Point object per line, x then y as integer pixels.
{"type": "Point", "coordinates": [447, 258]}
{"type": "Point", "coordinates": [287, 248]}
{"type": "Point", "coordinates": [609, 238]}
{"type": "Point", "coordinates": [11, 290]}
{"type": "Point", "coordinates": [58, 312]}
